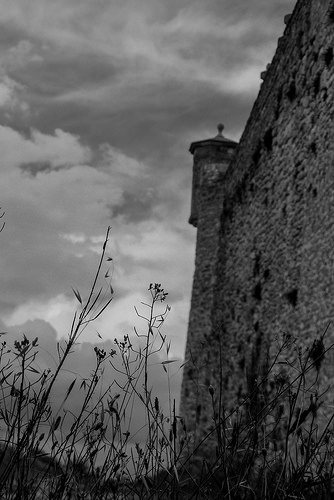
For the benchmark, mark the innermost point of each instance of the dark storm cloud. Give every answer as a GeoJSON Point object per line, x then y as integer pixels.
{"type": "Point", "coordinates": [58, 72]}
{"type": "Point", "coordinates": [164, 66]}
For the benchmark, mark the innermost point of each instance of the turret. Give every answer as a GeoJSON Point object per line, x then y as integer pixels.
{"type": "Point", "coordinates": [212, 158]}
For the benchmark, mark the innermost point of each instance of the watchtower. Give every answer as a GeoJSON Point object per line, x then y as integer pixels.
{"type": "Point", "coordinates": [211, 160]}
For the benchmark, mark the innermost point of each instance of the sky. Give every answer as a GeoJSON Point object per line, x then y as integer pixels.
{"type": "Point", "coordinates": [99, 102]}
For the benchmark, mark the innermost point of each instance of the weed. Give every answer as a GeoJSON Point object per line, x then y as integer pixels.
{"type": "Point", "coordinates": [273, 445]}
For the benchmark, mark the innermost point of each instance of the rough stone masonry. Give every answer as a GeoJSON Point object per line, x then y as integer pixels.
{"type": "Point", "coordinates": [264, 212]}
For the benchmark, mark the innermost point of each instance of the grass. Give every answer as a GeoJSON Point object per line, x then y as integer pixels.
{"type": "Point", "coordinates": [272, 446]}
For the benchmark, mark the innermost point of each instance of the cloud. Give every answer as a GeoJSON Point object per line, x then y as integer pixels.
{"type": "Point", "coordinates": [108, 68]}
{"type": "Point", "coordinates": [20, 55]}
{"type": "Point", "coordinates": [10, 96]}
{"type": "Point", "coordinates": [58, 150]}
{"type": "Point", "coordinates": [41, 207]}
{"type": "Point", "coordinates": [143, 49]}
{"type": "Point", "coordinates": [11, 91]}
{"type": "Point", "coordinates": [7, 91]}
{"type": "Point", "coordinates": [57, 216]}
{"type": "Point", "coordinates": [198, 21]}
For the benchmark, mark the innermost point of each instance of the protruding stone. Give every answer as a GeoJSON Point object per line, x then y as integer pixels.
{"type": "Point", "coordinates": [263, 75]}
{"type": "Point", "coordinates": [287, 18]}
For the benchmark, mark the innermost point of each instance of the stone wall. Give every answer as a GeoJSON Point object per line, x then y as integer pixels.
{"type": "Point", "coordinates": [273, 237]}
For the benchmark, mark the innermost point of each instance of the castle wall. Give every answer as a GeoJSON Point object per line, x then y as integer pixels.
{"type": "Point", "coordinates": [274, 271]}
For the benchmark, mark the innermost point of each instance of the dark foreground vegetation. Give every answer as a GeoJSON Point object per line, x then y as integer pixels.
{"type": "Point", "coordinates": [282, 449]}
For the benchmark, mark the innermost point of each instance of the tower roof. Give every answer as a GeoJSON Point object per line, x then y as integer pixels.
{"type": "Point", "coordinates": [218, 140]}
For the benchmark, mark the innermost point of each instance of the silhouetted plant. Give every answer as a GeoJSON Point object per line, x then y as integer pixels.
{"type": "Point", "coordinates": [277, 451]}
